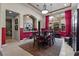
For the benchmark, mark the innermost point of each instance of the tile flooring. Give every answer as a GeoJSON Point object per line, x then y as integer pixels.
{"type": "Point", "coordinates": [13, 49]}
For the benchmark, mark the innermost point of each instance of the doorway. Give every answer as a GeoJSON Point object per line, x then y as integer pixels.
{"type": "Point", "coordinates": [8, 29]}
{"type": "Point", "coordinates": [11, 28]}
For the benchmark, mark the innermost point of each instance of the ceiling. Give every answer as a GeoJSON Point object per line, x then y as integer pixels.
{"type": "Point", "coordinates": [10, 13]}
{"type": "Point", "coordinates": [51, 7]}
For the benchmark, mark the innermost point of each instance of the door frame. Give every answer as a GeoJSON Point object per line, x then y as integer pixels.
{"type": "Point", "coordinates": [18, 25]}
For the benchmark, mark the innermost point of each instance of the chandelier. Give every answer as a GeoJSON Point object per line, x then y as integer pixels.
{"type": "Point", "coordinates": [44, 11]}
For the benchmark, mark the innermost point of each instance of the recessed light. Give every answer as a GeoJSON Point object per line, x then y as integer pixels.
{"type": "Point", "coordinates": [65, 4]}
{"type": "Point", "coordinates": [27, 16]}
{"type": "Point", "coordinates": [10, 12]}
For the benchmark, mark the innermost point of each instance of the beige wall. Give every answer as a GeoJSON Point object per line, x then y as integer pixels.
{"type": "Point", "coordinates": [22, 10]}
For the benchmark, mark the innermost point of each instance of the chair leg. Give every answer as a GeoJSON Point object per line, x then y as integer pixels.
{"type": "Point", "coordinates": [38, 46]}
{"type": "Point", "coordinates": [34, 43]}
{"type": "Point", "coordinates": [53, 41]}
{"type": "Point", "coordinates": [49, 42]}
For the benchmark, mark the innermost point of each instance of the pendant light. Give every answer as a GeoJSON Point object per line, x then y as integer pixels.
{"type": "Point", "coordinates": [44, 11]}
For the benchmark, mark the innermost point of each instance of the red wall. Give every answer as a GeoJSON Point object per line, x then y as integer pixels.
{"type": "Point", "coordinates": [68, 22]}
{"type": "Point", "coordinates": [47, 22]}
{"type": "Point", "coordinates": [21, 33]}
{"type": "Point", "coordinates": [68, 17]}
{"type": "Point", "coordinates": [24, 34]}
{"type": "Point", "coordinates": [3, 35]}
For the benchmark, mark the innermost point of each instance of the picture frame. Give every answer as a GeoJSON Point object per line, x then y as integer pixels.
{"type": "Point", "coordinates": [16, 21]}
{"type": "Point", "coordinates": [16, 27]}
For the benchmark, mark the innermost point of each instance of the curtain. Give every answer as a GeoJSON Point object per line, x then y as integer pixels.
{"type": "Point", "coordinates": [47, 22]}
{"type": "Point", "coordinates": [68, 22]}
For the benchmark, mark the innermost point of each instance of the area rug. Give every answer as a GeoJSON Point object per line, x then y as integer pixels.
{"type": "Point", "coordinates": [54, 50]}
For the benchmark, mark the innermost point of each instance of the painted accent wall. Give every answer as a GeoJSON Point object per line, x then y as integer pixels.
{"type": "Point", "coordinates": [68, 16]}
{"type": "Point", "coordinates": [47, 22]}
{"type": "Point", "coordinates": [3, 35]}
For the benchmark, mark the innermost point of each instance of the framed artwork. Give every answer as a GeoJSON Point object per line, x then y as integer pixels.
{"type": "Point", "coordinates": [16, 27]}
{"type": "Point", "coordinates": [16, 24]}
{"type": "Point", "coordinates": [28, 26]}
{"type": "Point", "coordinates": [16, 21]}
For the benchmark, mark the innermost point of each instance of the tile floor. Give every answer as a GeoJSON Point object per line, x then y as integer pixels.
{"type": "Point", "coordinates": [13, 49]}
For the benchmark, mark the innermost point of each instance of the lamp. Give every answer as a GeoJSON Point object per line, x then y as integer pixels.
{"type": "Point", "coordinates": [44, 11]}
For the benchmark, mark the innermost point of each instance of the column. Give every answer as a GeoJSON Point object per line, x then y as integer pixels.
{"type": "Point", "coordinates": [21, 27]}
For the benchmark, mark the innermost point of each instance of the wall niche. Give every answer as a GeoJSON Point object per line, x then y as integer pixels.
{"type": "Point", "coordinates": [29, 22]}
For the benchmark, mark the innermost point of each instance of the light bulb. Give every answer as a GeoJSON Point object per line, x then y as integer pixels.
{"type": "Point", "coordinates": [44, 11]}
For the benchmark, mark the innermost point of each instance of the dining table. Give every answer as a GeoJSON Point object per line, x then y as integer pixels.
{"type": "Point", "coordinates": [44, 37]}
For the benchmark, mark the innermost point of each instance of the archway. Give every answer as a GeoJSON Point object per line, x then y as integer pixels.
{"type": "Point", "coordinates": [29, 22]}
{"type": "Point", "coordinates": [29, 25]}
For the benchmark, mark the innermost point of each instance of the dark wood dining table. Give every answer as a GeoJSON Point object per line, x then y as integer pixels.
{"type": "Point", "coordinates": [43, 37]}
